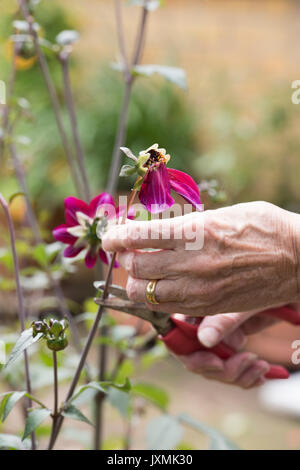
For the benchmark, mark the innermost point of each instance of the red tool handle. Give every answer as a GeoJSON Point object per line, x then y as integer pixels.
{"type": "Point", "coordinates": [183, 340]}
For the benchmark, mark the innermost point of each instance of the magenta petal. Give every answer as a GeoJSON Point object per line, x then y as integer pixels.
{"type": "Point", "coordinates": [101, 199]}
{"type": "Point", "coordinates": [155, 190]}
{"type": "Point", "coordinates": [184, 185]}
{"type": "Point", "coordinates": [61, 234]}
{"type": "Point", "coordinates": [106, 257]}
{"type": "Point", "coordinates": [73, 205]}
{"type": "Point", "coordinates": [72, 251]}
{"type": "Point", "coordinates": [90, 259]}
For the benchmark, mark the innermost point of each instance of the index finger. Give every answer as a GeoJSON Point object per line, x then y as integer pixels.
{"type": "Point", "coordinates": [159, 234]}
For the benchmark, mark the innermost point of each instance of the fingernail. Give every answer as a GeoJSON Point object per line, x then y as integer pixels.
{"type": "Point", "coordinates": [209, 337]}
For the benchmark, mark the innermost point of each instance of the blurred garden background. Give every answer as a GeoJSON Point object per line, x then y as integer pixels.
{"type": "Point", "coordinates": [235, 123]}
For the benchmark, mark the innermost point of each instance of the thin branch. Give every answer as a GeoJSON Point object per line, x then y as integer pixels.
{"type": "Point", "coordinates": [22, 315]}
{"type": "Point", "coordinates": [53, 97]}
{"type": "Point", "coordinates": [100, 397]}
{"type": "Point", "coordinates": [64, 60]}
{"type": "Point", "coordinates": [55, 414]}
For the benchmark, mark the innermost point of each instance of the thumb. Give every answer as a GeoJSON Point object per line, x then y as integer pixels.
{"type": "Point", "coordinates": [214, 329]}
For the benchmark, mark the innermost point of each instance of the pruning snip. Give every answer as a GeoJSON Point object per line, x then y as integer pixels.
{"type": "Point", "coordinates": [181, 336]}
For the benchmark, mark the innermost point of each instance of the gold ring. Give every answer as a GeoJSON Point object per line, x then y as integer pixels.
{"type": "Point", "coordinates": [150, 292]}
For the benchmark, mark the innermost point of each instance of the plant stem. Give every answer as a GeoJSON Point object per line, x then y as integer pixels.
{"type": "Point", "coordinates": [121, 40]}
{"type": "Point", "coordinates": [64, 60]}
{"type": "Point", "coordinates": [54, 283]}
{"type": "Point", "coordinates": [23, 187]}
{"type": "Point", "coordinates": [94, 328]}
{"type": "Point", "coordinates": [55, 414]}
{"type": "Point", "coordinates": [53, 96]}
{"type": "Point", "coordinates": [123, 120]}
{"type": "Point", "coordinates": [100, 397]}
{"type": "Point", "coordinates": [22, 315]}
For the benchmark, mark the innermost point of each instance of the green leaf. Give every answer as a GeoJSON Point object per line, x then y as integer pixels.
{"type": "Point", "coordinates": [34, 419]}
{"type": "Point", "coordinates": [127, 170]}
{"type": "Point", "coordinates": [74, 413]}
{"type": "Point", "coordinates": [163, 433]}
{"type": "Point", "coordinates": [120, 400]}
{"type": "Point", "coordinates": [126, 370]}
{"type": "Point", "coordinates": [8, 402]}
{"type": "Point", "coordinates": [67, 37]}
{"type": "Point", "coordinates": [11, 442]}
{"type": "Point", "coordinates": [25, 340]}
{"type": "Point", "coordinates": [126, 387]}
{"type": "Point", "coordinates": [172, 74]}
{"type": "Point", "coordinates": [217, 440]}
{"type": "Point", "coordinates": [152, 393]}
{"type": "Point", "coordinates": [92, 385]}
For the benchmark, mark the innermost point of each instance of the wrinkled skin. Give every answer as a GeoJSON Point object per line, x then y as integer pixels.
{"type": "Point", "coordinates": [249, 261]}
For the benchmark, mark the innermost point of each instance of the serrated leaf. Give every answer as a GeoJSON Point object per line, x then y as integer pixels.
{"type": "Point", "coordinates": [127, 170]}
{"type": "Point", "coordinates": [8, 402]}
{"type": "Point", "coordinates": [12, 442]}
{"type": "Point", "coordinates": [172, 74]}
{"type": "Point", "coordinates": [217, 440]}
{"type": "Point", "coordinates": [152, 393]}
{"type": "Point", "coordinates": [67, 37]}
{"type": "Point", "coordinates": [25, 340]}
{"type": "Point", "coordinates": [163, 433]}
{"type": "Point", "coordinates": [34, 419]}
{"type": "Point", "coordinates": [74, 413]}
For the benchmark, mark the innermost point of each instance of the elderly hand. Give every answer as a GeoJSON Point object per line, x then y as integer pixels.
{"type": "Point", "coordinates": [244, 369]}
{"type": "Point", "coordinates": [249, 260]}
